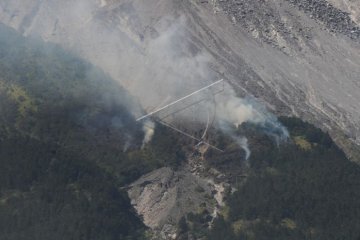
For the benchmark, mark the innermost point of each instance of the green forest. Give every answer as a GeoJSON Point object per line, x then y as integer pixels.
{"type": "Point", "coordinates": [64, 127]}
{"type": "Point", "coordinates": [304, 188]}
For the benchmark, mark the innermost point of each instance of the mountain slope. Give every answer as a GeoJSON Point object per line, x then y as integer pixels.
{"type": "Point", "coordinates": [70, 146]}
{"type": "Point", "coordinates": [300, 57]}
{"type": "Point", "coordinates": [64, 130]}
{"type": "Point", "coordinates": [302, 189]}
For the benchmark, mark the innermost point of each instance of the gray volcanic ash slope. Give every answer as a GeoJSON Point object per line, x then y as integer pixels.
{"type": "Point", "coordinates": [299, 57]}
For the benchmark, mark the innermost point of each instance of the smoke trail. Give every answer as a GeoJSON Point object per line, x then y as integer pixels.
{"type": "Point", "coordinates": [243, 143]}
{"type": "Point", "coordinates": [152, 60]}
{"type": "Point", "coordinates": [235, 110]}
{"type": "Point", "coordinates": [230, 130]}
{"type": "Point", "coordinates": [149, 130]}
{"type": "Point", "coordinates": [232, 111]}
{"type": "Point", "coordinates": [127, 145]}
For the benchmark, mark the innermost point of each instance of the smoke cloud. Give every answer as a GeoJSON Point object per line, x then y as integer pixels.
{"type": "Point", "coordinates": [235, 110]}
{"type": "Point", "coordinates": [157, 62]}
{"type": "Point", "coordinates": [149, 130]}
{"type": "Point", "coordinates": [243, 143]}
{"type": "Point", "coordinates": [169, 69]}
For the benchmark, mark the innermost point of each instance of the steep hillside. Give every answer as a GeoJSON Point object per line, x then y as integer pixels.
{"type": "Point", "coordinates": [300, 57]}
{"type": "Point", "coordinates": [75, 76]}
{"type": "Point", "coordinates": [68, 145]}
{"type": "Point", "coordinates": [302, 189]}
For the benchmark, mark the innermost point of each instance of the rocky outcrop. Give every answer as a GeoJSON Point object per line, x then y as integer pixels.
{"type": "Point", "coordinates": [334, 19]}
{"type": "Point", "coordinates": [164, 196]}
{"type": "Point", "coordinates": [350, 6]}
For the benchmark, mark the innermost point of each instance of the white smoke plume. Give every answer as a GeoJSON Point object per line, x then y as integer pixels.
{"type": "Point", "coordinates": [172, 71]}
{"type": "Point", "coordinates": [229, 128]}
{"type": "Point", "coordinates": [243, 143]}
{"type": "Point", "coordinates": [235, 110]}
{"type": "Point", "coordinates": [149, 130]}
{"type": "Point", "coordinates": [154, 61]}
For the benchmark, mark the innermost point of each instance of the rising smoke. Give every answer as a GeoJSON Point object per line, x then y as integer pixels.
{"type": "Point", "coordinates": [157, 62]}
{"type": "Point", "coordinates": [233, 111]}
{"type": "Point", "coordinates": [243, 143]}
{"type": "Point", "coordinates": [149, 130]}
{"type": "Point", "coordinates": [172, 70]}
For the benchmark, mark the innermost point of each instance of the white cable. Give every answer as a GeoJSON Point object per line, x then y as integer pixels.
{"type": "Point", "coordinates": [179, 100]}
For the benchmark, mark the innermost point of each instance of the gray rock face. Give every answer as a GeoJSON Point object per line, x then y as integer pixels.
{"type": "Point", "coordinates": [334, 19]}
{"type": "Point", "coordinates": [163, 196]}
{"type": "Point", "coordinates": [298, 57]}
{"type": "Point", "coordinates": [349, 6]}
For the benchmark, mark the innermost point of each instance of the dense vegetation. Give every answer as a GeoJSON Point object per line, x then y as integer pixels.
{"type": "Point", "coordinates": [67, 147]}
{"type": "Point", "coordinates": [51, 194]}
{"type": "Point", "coordinates": [303, 189]}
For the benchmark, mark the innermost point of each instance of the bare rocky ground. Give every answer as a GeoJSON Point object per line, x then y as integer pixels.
{"type": "Point", "coordinates": [350, 6]}
{"type": "Point", "coordinates": [163, 196]}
